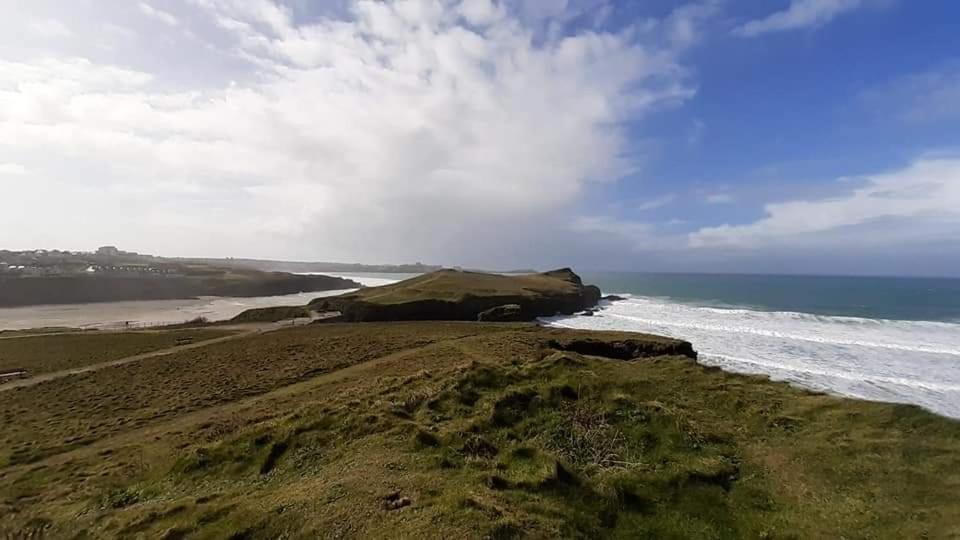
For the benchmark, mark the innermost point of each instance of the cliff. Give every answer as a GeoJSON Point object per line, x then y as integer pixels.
{"type": "Point", "coordinates": [460, 295]}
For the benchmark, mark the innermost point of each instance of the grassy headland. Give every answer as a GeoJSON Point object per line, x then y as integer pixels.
{"type": "Point", "coordinates": [462, 295]}
{"type": "Point", "coordinates": [464, 430]}
{"type": "Point", "coordinates": [273, 314]}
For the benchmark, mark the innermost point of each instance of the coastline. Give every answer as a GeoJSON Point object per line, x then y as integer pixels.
{"type": "Point", "coordinates": [145, 313]}
{"type": "Point", "coordinates": [911, 362]}
{"type": "Point", "coordinates": [798, 348]}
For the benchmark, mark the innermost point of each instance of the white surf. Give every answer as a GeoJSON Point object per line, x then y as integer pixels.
{"type": "Point", "coordinates": [882, 360]}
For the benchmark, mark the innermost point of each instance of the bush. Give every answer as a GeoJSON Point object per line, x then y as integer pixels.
{"type": "Point", "coordinates": [585, 437]}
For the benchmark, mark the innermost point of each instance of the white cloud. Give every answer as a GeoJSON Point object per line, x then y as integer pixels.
{"type": "Point", "coordinates": [931, 96]}
{"type": "Point", "coordinates": [12, 169]}
{"type": "Point", "coordinates": [481, 12]}
{"type": "Point", "coordinates": [920, 202]}
{"type": "Point", "coordinates": [411, 129]}
{"type": "Point", "coordinates": [799, 14]}
{"type": "Point", "coordinates": [49, 29]}
{"type": "Point", "coordinates": [158, 14]}
{"type": "Point", "coordinates": [656, 202]}
{"type": "Point", "coordinates": [696, 132]}
{"type": "Point", "coordinates": [637, 234]}
{"type": "Point", "coordinates": [621, 235]}
{"type": "Point", "coordinates": [718, 198]}
{"type": "Point", "coordinates": [683, 25]}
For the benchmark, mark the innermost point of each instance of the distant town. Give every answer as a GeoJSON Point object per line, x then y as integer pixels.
{"type": "Point", "coordinates": [107, 259]}
{"type": "Point", "coordinates": [114, 261]}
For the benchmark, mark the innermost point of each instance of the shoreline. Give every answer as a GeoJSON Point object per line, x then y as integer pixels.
{"type": "Point", "coordinates": [144, 313]}
{"type": "Point", "coordinates": [871, 359]}
{"type": "Point", "coordinates": [751, 350]}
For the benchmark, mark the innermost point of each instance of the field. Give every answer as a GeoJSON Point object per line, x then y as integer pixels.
{"type": "Point", "coordinates": [48, 353]}
{"type": "Point", "coordinates": [462, 430]}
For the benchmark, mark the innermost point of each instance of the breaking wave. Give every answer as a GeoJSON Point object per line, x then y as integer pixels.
{"type": "Point", "coordinates": [914, 362]}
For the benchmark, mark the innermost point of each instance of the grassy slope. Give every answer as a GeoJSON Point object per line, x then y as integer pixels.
{"type": "Point", "coordinates": [453, 285]}
{"type": "Point", "coordinates": [190, 281]}
{"type": "Point", "coordinates": [272, 314]}
{"type": "Point", "coordinates": [46, 330]}
{"type": "Point", "coordinates": [48, 353]}
{"type": "Point", "coordinates": [468, 430]}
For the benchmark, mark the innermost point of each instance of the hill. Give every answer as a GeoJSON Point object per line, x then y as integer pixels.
{"type": "Point", "coordinates": [181, 282]}
{"type": "Point", "coordinates": [463, 295]}
{"type": "Point", "coordinates": [272, 314]}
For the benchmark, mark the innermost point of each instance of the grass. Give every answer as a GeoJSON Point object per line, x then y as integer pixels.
{"type": "Point", "coordinates": [454, 285]}
{"type": "Point", "coordinates": [46, 330]}
{"type": "Point", "coordinates": [272, 314]}
{"type": "Point", "coordinates": [48, 353]}
{"type": "Point", "coordinates": [483, 431]}
{"type": "Point", "coordinates": [67, 413]}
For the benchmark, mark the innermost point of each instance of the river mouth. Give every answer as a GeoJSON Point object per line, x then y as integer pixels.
{"type": "Point", "coordinates": [146, 313]}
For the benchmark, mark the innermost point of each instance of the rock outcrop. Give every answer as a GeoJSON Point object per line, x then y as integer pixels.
{"type": "Point", "coordinates": [623, 347]}
{"type": "Point", "coordinates": [463, 296]}
{"type": "Point", "coordinates": [505, 313]}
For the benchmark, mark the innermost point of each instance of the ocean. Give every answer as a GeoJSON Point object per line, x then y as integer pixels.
{"type": "Point", "coordinates": [882, 339]}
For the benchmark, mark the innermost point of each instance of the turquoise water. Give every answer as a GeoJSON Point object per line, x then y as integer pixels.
{"type": "Point", "coordinates": [883, 339]}
{"type": "Point", "coordinates": [914, 299]}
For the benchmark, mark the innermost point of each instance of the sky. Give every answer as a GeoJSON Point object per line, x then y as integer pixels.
{"type": "Point", "coordinates": [783, 136]}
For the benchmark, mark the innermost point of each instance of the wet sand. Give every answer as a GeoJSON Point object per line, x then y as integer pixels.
{"type": "Point", "coordinates": [144, 313]}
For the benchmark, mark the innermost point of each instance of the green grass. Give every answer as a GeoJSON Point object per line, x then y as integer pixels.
{"type": "Point", "coordinates": [272, 314]}
{"type": "Point", "coordinates": [46, 330]}
{"type": "Point", "coordinates": [468, 431]}
{"type": "Point", "coordinates": [454, 285]}
{"type": "Point", "coordinates": [47, 353]}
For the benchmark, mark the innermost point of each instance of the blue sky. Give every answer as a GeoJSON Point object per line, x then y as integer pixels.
{"type": "Point", "coordinates": [802, 136]}
{"type": "Point", "coordinates": [793, 108]}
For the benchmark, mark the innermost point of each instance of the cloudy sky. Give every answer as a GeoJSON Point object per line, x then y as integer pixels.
{"type": "Point", "coordinates": [711, 135]}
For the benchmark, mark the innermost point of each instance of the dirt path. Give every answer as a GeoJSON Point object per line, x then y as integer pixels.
{"type": "Point", "coordinates": [172, 430]}
{"type": "Point", "coordinates": [244, 331]}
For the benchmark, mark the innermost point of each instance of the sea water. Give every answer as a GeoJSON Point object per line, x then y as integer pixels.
{"type": "Point", "coordinates": [883, 339]}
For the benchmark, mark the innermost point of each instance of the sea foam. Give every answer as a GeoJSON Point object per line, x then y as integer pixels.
{"type": "Point", "coordinates": [914, 362]}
